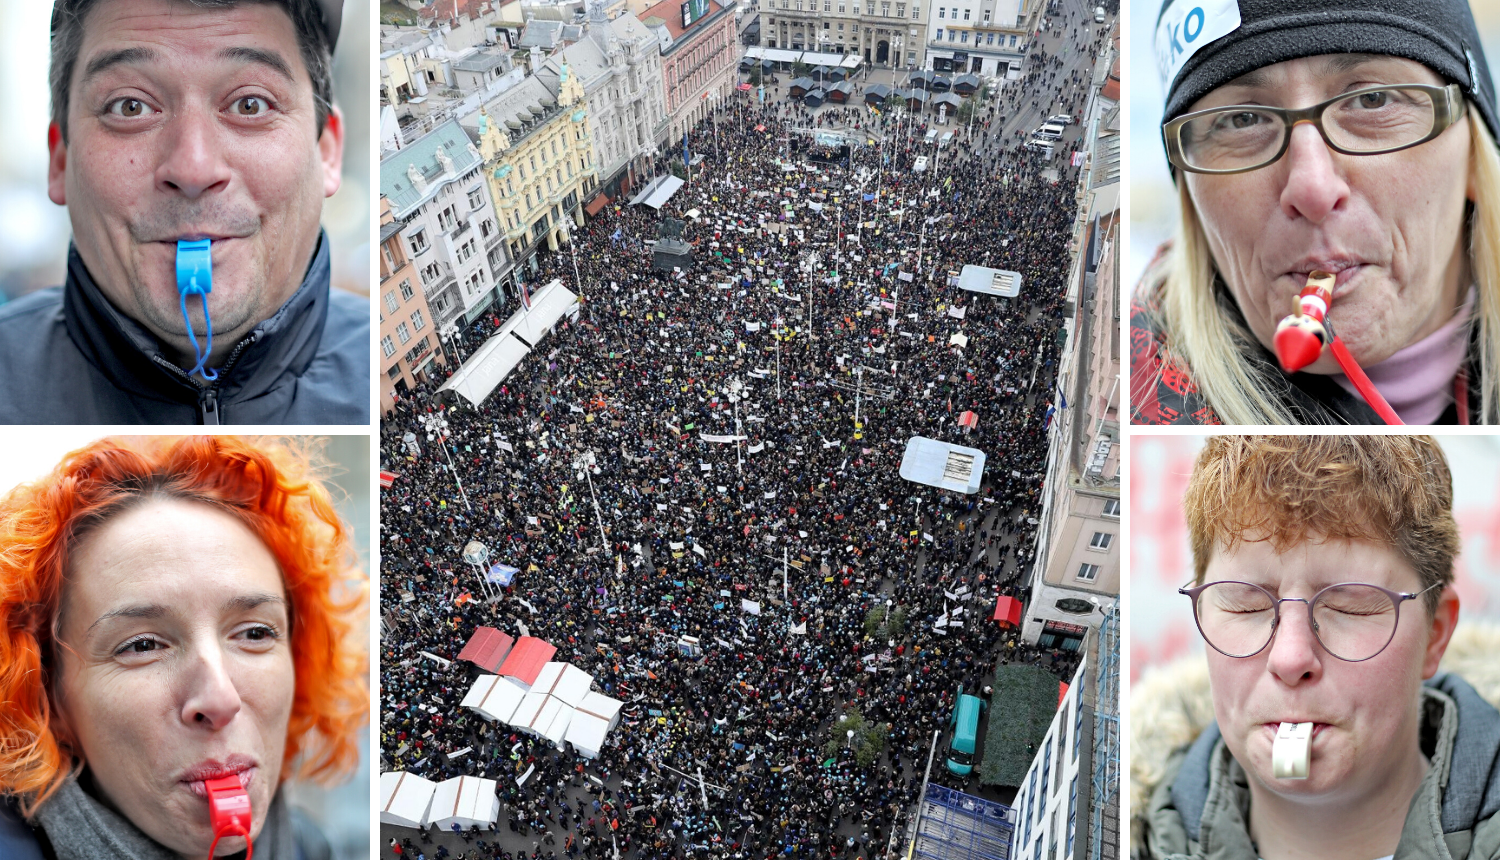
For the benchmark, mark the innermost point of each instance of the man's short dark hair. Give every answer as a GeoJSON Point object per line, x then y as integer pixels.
{"type": "Point", "coordinates": [307, 19]}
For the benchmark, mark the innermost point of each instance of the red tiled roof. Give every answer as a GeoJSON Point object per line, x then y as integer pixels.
{"type": "Point", "coordinates": [670, 11]}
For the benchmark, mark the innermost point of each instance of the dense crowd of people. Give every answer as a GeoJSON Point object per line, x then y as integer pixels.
{"type": "Point", "coordinates": [706, 419]}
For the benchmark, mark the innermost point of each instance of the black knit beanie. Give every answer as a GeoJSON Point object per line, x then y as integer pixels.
{"type": "Point", "coordinates": [1439, 34]}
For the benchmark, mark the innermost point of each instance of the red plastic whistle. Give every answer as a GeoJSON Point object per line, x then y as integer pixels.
{"type": "Point", "coordinates": [228, 811]}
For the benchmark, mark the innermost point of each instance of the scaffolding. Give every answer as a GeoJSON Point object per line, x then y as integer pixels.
{"type": "Point", "coordinates": [958, 826]}
{"type": "Point", "coordinates": [1104, 806]}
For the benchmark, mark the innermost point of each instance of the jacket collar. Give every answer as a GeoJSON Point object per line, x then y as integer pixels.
{"type": "Point", "coordinates": [134, 360]}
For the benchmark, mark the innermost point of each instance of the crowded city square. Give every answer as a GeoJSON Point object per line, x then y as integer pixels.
{"type": "Point", "coordinates": [693, 486]}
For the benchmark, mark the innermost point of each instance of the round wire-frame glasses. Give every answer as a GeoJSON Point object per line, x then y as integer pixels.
{"type": "Point", "coordinates": [1447, 107]}
{"type": "Point", "coordinates": [1273, 603]}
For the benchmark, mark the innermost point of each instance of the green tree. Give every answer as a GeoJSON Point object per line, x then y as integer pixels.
{"type": "Point", "coordinates": [755, 77]}
{"type": "Point", "coordinates": [800, 69]}
{"type": "Point", "coordinates": [883, 622]}
{"type": "Point", "coordinates": [893, 101]}
{"type": "Point", "coordinates": [868, 742]}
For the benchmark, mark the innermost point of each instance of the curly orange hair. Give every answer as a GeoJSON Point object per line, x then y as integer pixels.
{"type": "Point", "coordinates": [266, 485]}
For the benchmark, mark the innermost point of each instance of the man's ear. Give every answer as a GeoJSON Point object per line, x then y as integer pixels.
{"type": "Point", "coordinates": [1440, 631]}
{"type": "Point", "coordinates": [331, 148]}
{"type": "Point", "coordinates": [57, 164]}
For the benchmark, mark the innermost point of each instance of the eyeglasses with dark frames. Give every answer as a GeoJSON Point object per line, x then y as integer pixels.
{"type": "Point", "coordinates": [1368, 121]}
{"type": "Point", "coordinates": [1353, 621]}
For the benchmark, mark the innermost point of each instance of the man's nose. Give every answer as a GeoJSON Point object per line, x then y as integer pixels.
{"type": "Point", "coordinates": [1314, 186]}
{"type": "Point", "coordinates": [1296, 654]}
{"type": "Point", "coordinates": [210, 697]}
{"type": "Point", "coordinates": [193, 161]}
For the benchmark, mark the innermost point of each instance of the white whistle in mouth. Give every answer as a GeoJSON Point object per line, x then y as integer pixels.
{"type": "Point", "coordinates": [1292, 751]}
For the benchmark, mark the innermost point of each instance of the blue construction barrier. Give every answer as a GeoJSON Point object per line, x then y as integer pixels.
{"type": "Point", "coordinates": [958, 826]}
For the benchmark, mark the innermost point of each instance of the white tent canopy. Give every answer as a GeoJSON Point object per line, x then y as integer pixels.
{"type": "Point", "coordinates": [565, 681]}
{"type": "Point", "coordinates": [494, 361]}
{"type": "Point", "coordinates": [487, 368]}
{"type": "Point", "coordinates": [668, 187]}
{"type": "Point", "coordinates": [602, 706]}
{"type": "Point", "coordinates": [544, 716]}
{"type": "Point", "coordinates": [814, 58]}
{"type": "Point", "coordinates": [556, 717]}
{"type": "Point", "coordinates": [592, 722]}
{"type": "Point", "coordinates": [586, 734]}
{"type": "Point", "coordinates": [494, 697]}
{"type": "Point", "coordinates": [405, 799]}
{"type": "Point", "coordinates": [548, 304]}
{"type": "Point", "coordinates": [466, 801]}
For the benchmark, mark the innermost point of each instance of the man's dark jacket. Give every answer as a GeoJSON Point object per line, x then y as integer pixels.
{"type": "Point", "coordinates": [68, 356]}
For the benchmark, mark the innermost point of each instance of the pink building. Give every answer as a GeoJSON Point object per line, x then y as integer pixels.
{"type": "Point", "coordinates": [697, 59]}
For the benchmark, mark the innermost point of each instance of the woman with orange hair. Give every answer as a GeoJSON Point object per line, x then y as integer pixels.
{"type": "Point", "coordinates": [176, 620]}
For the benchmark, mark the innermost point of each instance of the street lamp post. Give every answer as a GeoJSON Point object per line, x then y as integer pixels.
{"type": "Point", "coordinates": [437, 427]}
{"type": "Point", "coordinates": [585, 464]}
{"type": "Point", "coordinates": [450, 333]}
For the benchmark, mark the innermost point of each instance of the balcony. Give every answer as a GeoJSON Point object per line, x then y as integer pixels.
{"type": "Point", "coordinates": [444, 279]}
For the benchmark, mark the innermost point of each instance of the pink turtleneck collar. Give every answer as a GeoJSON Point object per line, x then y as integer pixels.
{"type": "Point", "coordinates": [1418, 379]}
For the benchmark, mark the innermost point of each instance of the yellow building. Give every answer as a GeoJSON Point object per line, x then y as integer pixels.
{"type": "Point", "coordinates": [538, 159]}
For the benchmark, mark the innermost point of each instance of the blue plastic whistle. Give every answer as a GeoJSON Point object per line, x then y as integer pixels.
{"type": "Point", "coordinates": [195, 277]}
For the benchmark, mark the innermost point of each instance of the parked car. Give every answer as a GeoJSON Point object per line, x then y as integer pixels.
{"type": "Point", "coordinates": [1060, 119]}
{"type": "Point", "coordinates": [921, 165]}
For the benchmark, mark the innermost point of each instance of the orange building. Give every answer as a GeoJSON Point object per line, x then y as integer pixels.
{"type": "Point", "coordinates": [408, 335]}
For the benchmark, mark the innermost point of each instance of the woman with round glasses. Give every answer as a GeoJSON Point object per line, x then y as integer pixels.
{"type": "Point", "coordinates": [1354, 139]}
{"type": "Point", "coordinates": [1323, 588]}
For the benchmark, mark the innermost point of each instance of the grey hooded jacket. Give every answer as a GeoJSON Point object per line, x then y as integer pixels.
{"type": "Point", "coordinates": [1201, 809]}
{"type": "Point", "coordinates": [68, 356]}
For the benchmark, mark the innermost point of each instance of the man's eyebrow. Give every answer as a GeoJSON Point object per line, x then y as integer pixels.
{"type": "Point", "coordinates": [260, 57]}
{"type": "Point", "coordinates": [121, 57]}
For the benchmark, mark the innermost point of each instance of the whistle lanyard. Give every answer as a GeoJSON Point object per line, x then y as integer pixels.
{"type": "Point", "coordinates": [229, 812]}
{"type": "Point", "coordinates": [195, 277]}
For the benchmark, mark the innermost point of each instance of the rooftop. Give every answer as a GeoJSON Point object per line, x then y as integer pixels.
{"type": "Point", "coordinates": [422, 154]}
{"type": "Point", "coordinates": [670, 13]}
{"type": "Point", "coordinates": [520, 110]}
{"type": "Point", "coordinates": [482, 62]}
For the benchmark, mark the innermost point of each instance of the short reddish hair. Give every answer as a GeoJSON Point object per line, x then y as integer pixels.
{"type": "Point", "coordinates": [1393, 490]}
{"type": "Point", "coordinates": [265, 484]}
